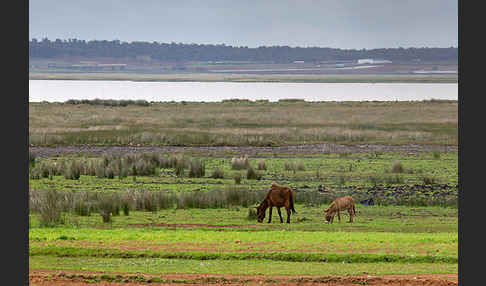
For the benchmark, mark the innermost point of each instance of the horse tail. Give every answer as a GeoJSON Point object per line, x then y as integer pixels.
{"type": "Point", "coordinates": [292, 202]}
{"type": "Point", "coordinates": [354, 211]}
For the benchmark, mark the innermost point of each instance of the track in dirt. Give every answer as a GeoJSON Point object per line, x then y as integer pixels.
{"type": "Point", "coordinates": [58, 277]}
{"type": "Point", "coordinates": [250, 150]}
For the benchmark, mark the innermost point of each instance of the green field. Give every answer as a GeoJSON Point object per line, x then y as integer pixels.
{"type": "Point", "coordinates": [192, 210]}
{"type": "Point", "coordinates": [416, 233]}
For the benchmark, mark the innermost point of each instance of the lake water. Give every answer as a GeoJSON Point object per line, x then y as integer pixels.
{"type": "Point", "coordinates": [62, 90]}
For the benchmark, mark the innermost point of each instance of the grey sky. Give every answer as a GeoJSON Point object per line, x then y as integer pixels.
{"type": "Point", "coordinates": [347, 24]}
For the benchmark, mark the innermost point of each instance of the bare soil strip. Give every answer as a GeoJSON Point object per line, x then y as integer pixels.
{"type": "Point", "coordinates": [61, 277]}
{"type": "Point", "coordinates": [190, 225]}
{"type": "Point", "coordinates": [250, 150]}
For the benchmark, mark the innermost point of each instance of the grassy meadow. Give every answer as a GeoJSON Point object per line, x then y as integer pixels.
{"type": "Point", "coordinates": [156, 213]}
{"type": "Point", "coordinates": [179, 213]}
{"type": "Point", "coordinates": [243, 123]}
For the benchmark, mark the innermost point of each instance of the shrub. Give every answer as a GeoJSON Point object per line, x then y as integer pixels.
{"type": "Point", "coordinates": [252, 214]}
{"type": "Point", "coordinates": [375, 179]}
{"type": "Point", "coordinates": [164, 162]}
{"type": "Point", "coordinates": [289, 166]}
{"type": "Point", "coordinates": [218, 173]}
{"type": "Point", "coordinates": [396, 179]}
{"type": "Point", "coordinates": [99, 169]}
{"type": "Point", "coordinates": [74, 171]}
{"type": "Point", "coordinates": [240, 163]}
{"type": "Point", "coordinates": [108, 204]}
{"type": "Point", "coordinates": [262, 165]}
{"type": "Point", "coordinates": [50, 208]}
{"type": "Point", "coordinates": [109, 173]}
{"type": "Point", "coordinates": [300, 166]}
{"type": "Point", "coordinates": [428, 180]}
{"type": "Point", "coordinates": [90, 169]}
{"type": "Point", "coordinates": [397, 167]}
{"type": "Point", "coordinates": [237, 178]}
{"type": "Point", "coordinates": [32, 157]}
{"type": "Point", "coordinates": [436, 154]}
{"type": "Point", "coordinates": [123, 173]}
{"type": "Point", "coordinates": [44, 170]}
{"type": "Point", "coordinates": [81, 204]}
{"type": "Point", "coordinates": [148, 201]}
{"type": "Point", "coordinates": [179, 168]}
{"type": "Point", "coordinates": [251, 174]}
{"type": "Point", "coordinates": [165, 201]}
{"type": "Point", "coordinates": [145, 168]}
{"type": "Point", "coordinates": [341, 180]}
{"type": "Point", "coordinates": [197, 168]}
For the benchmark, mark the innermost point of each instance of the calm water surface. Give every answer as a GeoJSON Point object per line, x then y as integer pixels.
{"type": "Point", "coordinates": [62, 90]}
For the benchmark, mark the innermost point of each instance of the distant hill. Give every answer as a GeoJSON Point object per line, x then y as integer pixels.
{"type": "Point", "coordinates": [195, 52]}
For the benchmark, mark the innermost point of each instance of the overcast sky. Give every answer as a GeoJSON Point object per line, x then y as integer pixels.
{"type": "Point", "coordinates": [345, 24]}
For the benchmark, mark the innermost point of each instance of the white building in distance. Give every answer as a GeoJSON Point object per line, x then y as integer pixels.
{"type": "Point", "coordinates": [372, 61]}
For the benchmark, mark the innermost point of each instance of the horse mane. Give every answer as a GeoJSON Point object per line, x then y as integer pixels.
{"type": "Point", "coordinates": [264, 203]}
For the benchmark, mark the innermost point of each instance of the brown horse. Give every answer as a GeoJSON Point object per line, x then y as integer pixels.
{"type": "Point", "coordinates": [340, 204]}
{"type": "Point", "coordinates": [278, 196]}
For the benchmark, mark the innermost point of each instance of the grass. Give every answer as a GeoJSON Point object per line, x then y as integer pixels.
{"type": "Point", "coordinates": [247, 267]}
{"type": "Point", "coordinates": [383, 240]}
{"type": "Point", "coordinates": [244, 123]}
{"type": "Point", "coordinates": [389, 219]}
{"type": "Point", "coordinates": [60, 251]}
{"type": "Point", "coordinates": [368, 176]}
{"type": "Point", "coordinates": [205, 225]}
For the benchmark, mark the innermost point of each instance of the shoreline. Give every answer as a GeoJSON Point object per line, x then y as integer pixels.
{"type": "Point", "coordinates": [248, 78]}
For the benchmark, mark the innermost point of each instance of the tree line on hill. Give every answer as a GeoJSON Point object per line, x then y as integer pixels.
{"type": "Point", "coordinates": [46, 48]}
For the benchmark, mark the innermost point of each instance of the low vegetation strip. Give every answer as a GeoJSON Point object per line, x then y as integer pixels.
{"type": "Point", "coordinates": [294, 257]}
{"type": "Point", "coordinates": [244, 123]}
{"type": "Point", "coordinates": [264, 236]}
{"type": "Point", "coordinates": [158, 266]}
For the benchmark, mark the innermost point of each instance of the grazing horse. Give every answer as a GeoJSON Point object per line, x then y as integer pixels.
{"type": "Point", "coordinates": [340, 204]}
{"type": "Point", "coordinates": [278, 196]}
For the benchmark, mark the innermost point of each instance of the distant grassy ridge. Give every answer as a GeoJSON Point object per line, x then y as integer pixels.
{"type": "Point", "coordinates": [244, 123]}
{"type": "Point", "coordinates": [220, 77]}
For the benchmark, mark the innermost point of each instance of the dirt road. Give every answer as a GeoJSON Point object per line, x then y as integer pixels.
{"type": "Point", "coordinates": [61, 277]}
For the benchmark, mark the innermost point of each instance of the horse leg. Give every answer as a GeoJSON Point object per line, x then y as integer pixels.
{"type": "Point", "coordinates": [288, 214]}
{"type": "Point", "coordinates": [350, 211]}
{"type": "Point", "coordinates": [339, 217]}
{"type": "Point", "coordinates": [280, 215]}
{"type": "Point", "coordinates": [270, 214]}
